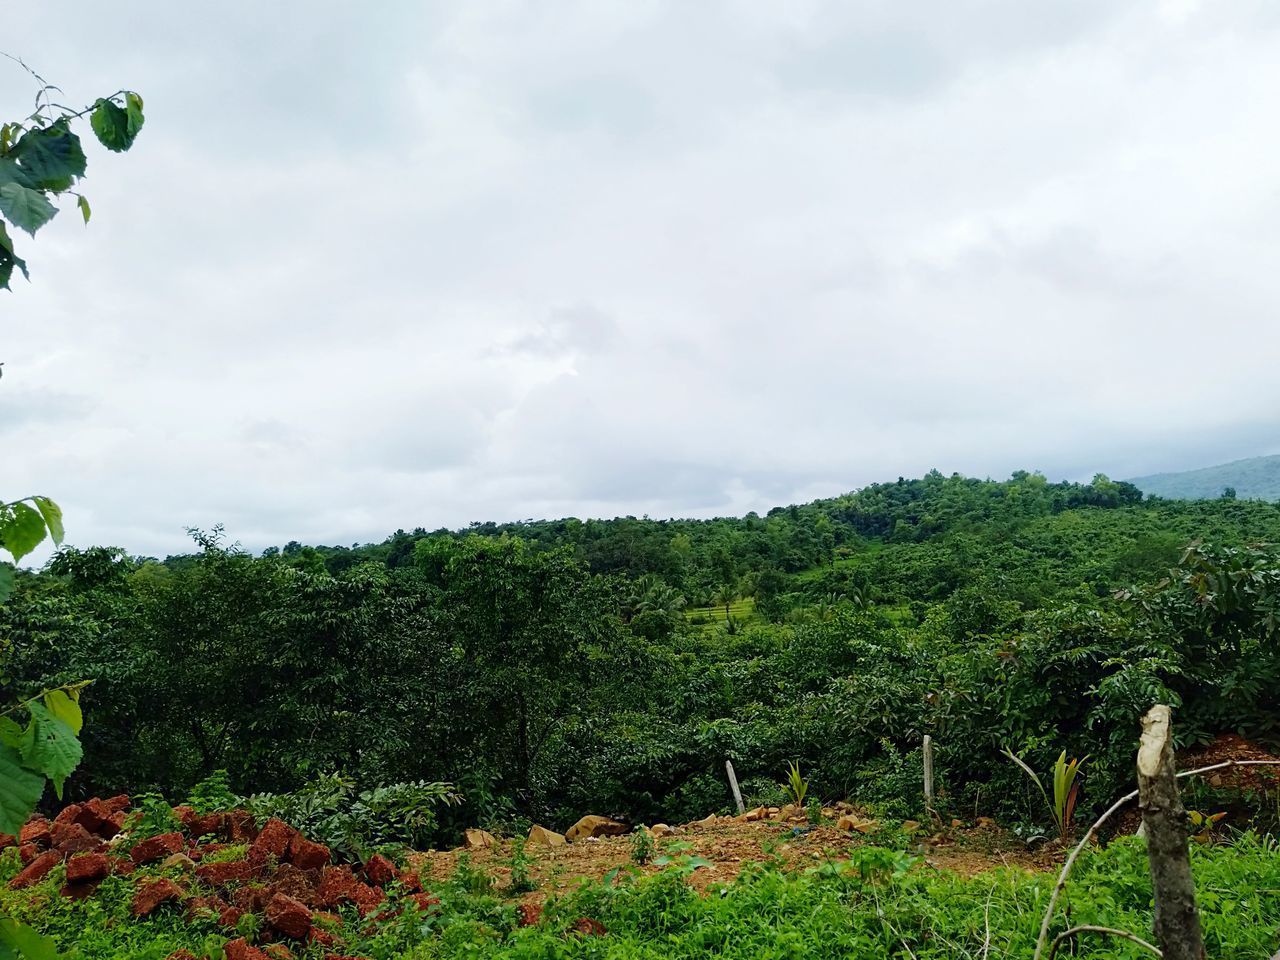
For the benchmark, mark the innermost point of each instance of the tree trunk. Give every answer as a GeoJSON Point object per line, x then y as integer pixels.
{"type": "Point", "coordinates": [1177, 921]}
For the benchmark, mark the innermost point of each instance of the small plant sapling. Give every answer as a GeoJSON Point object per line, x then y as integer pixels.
{"type": "Point", "coordinates": [1066, 790]}
{"type": "Point", "coordinates": [521, 879]}
{"type": "Point", "coordinates": [814, 811]}
{"type": "Point", "coordinates": [642, 847]}
{"type": "Point", "coordinates": [797, 787]}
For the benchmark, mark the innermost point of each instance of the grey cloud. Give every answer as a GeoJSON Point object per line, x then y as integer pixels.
{"type": "Point", "coordinates": [579, 329]}
{"type": "Point", "coordinates": [460, 261]}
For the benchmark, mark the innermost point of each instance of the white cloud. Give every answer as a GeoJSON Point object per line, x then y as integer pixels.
{"type": "Point", "coordinates": [489, 260]}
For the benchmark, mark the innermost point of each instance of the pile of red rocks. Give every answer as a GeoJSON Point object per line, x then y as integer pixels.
{"type": "Point", "coordinates": [284, 878]}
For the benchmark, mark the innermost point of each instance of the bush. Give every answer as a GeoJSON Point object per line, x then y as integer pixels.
{"type": "Point", "coordinates": [354, 823]}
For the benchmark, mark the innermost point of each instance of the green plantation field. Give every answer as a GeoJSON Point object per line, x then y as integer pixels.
{"type": "Point", "coordinates": [740, 611]}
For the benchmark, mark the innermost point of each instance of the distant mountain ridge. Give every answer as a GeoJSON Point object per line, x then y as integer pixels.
{"type": "Point", "coordinates": [1257, 478]}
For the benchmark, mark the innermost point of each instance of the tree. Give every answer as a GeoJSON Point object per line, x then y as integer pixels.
{"type": "Point", "coordinates": [532, 631]}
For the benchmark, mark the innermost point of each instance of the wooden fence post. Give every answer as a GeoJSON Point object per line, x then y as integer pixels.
{"type": "Point", "coordinates": [928, 773]}
{"type": "Point", "coordinates": [733, 785]}
{"type": "Point", "coordinates": [1177, 921]}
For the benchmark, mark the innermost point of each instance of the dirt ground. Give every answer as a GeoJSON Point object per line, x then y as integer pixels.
{"type": "Point", "coordinates": [731, 845]}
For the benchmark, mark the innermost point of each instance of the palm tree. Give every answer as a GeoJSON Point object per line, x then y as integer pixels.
{"type": "Point", "coordinates": [663, 599]}
{"type": "Point", "coordinates": [725, 594]}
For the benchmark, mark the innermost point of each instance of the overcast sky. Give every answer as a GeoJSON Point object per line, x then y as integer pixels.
{"type": "Point", "coordinates": [390, 265]}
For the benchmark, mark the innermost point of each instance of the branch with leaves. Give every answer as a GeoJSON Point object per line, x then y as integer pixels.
{"type": "Point", "coordinates": [45, 748]}
{"type": "Point", "coordinates": [41, 159]}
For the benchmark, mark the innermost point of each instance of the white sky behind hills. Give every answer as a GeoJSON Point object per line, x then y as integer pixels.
{"type": "Point", "coordinates": [381, 266]}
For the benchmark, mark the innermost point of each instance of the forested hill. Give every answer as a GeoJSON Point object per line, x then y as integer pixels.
{"type": "Point", "coordinates": [919, 538]}
{"type": "Point", "coordinates": [552, 667]}
{"type": "Point", "coordinates": [1257, 478]}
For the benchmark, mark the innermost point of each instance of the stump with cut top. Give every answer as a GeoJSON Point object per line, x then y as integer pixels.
{"type": "Point", "coordinates": [1177, 920]}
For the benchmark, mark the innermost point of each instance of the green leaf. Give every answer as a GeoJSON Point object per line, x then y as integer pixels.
{"type": "Point", "coordinates": [133, 108]}
{"type": "Point", "coordinates": [20, 790]}
{"type": "Point", "coordinates": [66, 709]}
{"type": "Point", "coordinates": [83, 203]}
{"type": "Point", "coordinates": [52, 515]}
{"type": "Point", "coordinates": [50, 747]}
{"type": "Point", "coordinates": [111, 126]}
{"type": "Point", "coordinates": [27, 209]}
{"type": "Point", "coordinates": [21, 529]}
{"type": "Point", "coordinates": [10, 172]}
{"type": "Point", "coordinates": [6, 581]}
{"type": "Point", "coordinates": [26, 942]}
{"type": "Point", "coordinates": [9, 259]}
{"type": "Point", "coordinates": [51, 156]}
{"type": "Point", "coordinates": [11, 732]}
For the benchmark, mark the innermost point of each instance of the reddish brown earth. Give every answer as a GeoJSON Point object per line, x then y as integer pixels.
{"type": "Point", "coordinates": [1231, 747]}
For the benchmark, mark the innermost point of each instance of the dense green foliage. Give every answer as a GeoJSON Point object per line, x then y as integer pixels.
{"type": "Point", "coordinates": [1257, 478]}
{"type": "Point", "coordinates": [872, 905]}
{"type": "Point", "coordinates": [549, 669]}
{"type": "Point", "coordinates": [353, 825]}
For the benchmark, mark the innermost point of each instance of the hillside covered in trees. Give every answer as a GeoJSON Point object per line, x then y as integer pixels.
{"type": "Point", "coordinates": [1257, 478]}
{"type": "Point", "coordinates": [551, 667]}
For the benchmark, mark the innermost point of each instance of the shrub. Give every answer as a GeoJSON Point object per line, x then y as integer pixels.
{"type": "Point", "coordinates": [355, 823]}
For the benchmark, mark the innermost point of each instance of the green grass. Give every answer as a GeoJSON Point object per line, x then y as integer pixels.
{"type": "Point", "coordinates": [742, 610]}
{"type": "Point", "coordinates": [880, 903]}
{"type": "Point", "coordinates": [865, 552]}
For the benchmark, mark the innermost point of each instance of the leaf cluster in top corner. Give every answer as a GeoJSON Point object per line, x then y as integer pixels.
{"type": "Point", "coordinates": [41, 158]}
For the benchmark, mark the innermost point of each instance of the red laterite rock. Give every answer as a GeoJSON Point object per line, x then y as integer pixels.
{"type": "Point", "coordinates": [36, 830]}
{"type": "Point", "coordinates": [338, 886]}
{"type": "Point", "coordinates": [320, 937]}
{"type": "Point", "coordinates": [307, 855]}
{"type": "Point", "coordinates": [210, 824]}
{"type": "Point", "coordinates": [272, 841]}
{"type": "Point", "coordinates": [36, 870]}
{"type": "Point", "coordinates": [289, 916]}
{"type": "Point", "coordinates": [250, 899]}
{"type": "Point", "coordinates": [87, 867]}
{"type": "Point", "coordinates": [148, 896]}
{"type": "Point", "coordinates": [68, 814]}
{"type": "Point", "coordinates": [238, 826]}
{"type": "Point", "coordinates": [380, 871]}
{"type": "Point", "coordinates": [586, 927]}
{"type": "Point", "coordinates": [215, 908]}
{"type": "Point", "coordinates": [239, 949]}
{"type": "Point", "coordinates": [411, 880]}
{"type": "Point", "coordinates": [80, 891]}
{"type": "Point", "coordinates": [295, 882]}
{"type": "Point", "coordinates": [157, 848]}
{"type": "Point", "coordinates": [98, 818]}
{"type": "Point", "coordinates": [221, 874]}
{"type": "Point", "coordinates": [73, 838]}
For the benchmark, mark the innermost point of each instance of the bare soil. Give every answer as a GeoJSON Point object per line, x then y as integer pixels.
{"type": "Point", "coordinates": [731, 845]}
